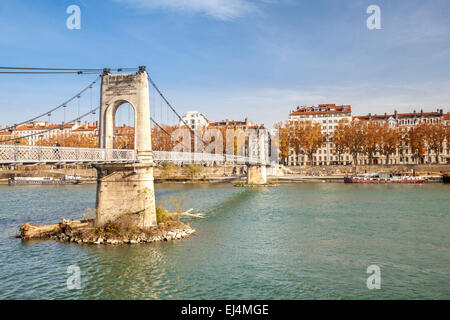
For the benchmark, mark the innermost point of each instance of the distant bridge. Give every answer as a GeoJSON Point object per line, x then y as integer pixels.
{"type": "Point", "coordinates": [19, 154]}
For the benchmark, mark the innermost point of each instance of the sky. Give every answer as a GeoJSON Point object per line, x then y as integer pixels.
{"type": "Point", "coordinates": [232, 59]}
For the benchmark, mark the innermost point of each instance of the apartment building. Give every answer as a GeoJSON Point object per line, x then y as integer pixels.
{"type": "Point", "coordinates": [194, 120]}
{"type": "Point", "coordinates": [408, 120]}
{"type": "Point", "coordinates": [328, 116]}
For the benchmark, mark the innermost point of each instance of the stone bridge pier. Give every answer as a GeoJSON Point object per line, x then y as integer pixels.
{"type": "Point", "coordinates": [256, 172]}
{"type": "Point", "coordinates": [126, 190]}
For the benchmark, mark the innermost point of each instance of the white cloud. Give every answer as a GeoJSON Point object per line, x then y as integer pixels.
{"type": "Point", "coordinates": [219, 9]}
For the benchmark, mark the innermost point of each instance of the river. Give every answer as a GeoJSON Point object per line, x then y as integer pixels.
{"type": "Point", "coordinates": [295, 241]}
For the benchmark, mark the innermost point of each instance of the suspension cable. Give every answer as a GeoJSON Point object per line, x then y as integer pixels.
{"type": "Point", "coordinates": [165, 131]}
{"type": "Point", "coordinates": [48, 130]}
{"type": "Point", "coordinates": [56, 108]}
{"type": "Point", "coordinates": [170, 106]}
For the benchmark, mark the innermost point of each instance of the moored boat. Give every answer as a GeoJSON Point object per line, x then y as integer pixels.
{"type": "Point", "coordinates": [382, 178]}
{"type": "Point", "coordinates": [44, 180]}
{"type": "Point", "coordinates": [446, 178]}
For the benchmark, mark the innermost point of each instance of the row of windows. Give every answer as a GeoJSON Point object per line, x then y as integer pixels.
{"type": "Point", "coordinates": [323, 115]}
{"type": "Point", "coordinates": [406, 160]}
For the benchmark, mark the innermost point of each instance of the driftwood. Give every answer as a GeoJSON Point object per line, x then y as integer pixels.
{"type": "Point", "coordinates": [187, 214]}
{"type": "Point", "coordinates": [28, 231]}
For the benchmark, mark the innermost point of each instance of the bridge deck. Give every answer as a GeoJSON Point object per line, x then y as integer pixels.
{"type": "Point", "coordinates": [18, 154]}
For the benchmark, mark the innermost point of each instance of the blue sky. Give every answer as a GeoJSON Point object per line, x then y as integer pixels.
{"type": "Point", "coordinates": [234, 58]}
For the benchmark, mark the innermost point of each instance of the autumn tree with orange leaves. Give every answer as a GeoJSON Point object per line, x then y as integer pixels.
{"type": "Point", "coordinates": [354, 132]}
{"type": "Point", "coordinates": [161, 138]}
{"type": "Point", "coordinates": [283, 144]}
{"type": "Point", "coordinates": [390, 138]}
{"type": "Point", "coordinates": [340, 139]}
{"type": "Point", "coordinates": [70, 140]}
{"type": "Point", "coordinates": [307, 138]}
{"type": "Point", "coordinates": [436, 134]}
{"type": "Point", "coordinates": [371, 132]}
{"type": "Point", "coordinates": [416, 139]}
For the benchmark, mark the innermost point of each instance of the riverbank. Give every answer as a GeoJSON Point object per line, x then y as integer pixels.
{"type": "Point", "coordinates": [231, 174]}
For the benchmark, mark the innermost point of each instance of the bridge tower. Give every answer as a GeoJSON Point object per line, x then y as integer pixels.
{"type": "Point", "coordinates": [256, 172]}
{"type": "Point", "coordinates": [124, 188]}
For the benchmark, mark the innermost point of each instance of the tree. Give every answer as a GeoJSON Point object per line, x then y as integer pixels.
{"type": "Point", "coordinates": [193, 170]}
{"type": "Point", "coordinates": [371, 139]}
{"type": "Point", "coordinates": [390, 138]}
{"type": "Point", "coordinates": [161, 139]}
{"type": "Point", "coordinates": [284, 146]}
{"type": "Point", "coordinates": [340, 139]}
{"type": "Point", "coordinates": [416, 139]}
{"type": "Point", "coordinates": [354, 137]}
{"type": "Point", "coordinates": [307, 138]}
{"type": "Point", "coordinates": [124, 138]}
{"type": "Point", "coordinates": [72, 140]}
{"type": "Point", "coordinates": [435, 134]}
{"type": "Point", "coordinates": [6, 139]}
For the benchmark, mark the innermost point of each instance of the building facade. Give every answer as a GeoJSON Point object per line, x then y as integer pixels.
{"type": "Point", "coordinates": [328, 116]}
{"type": "Point", "coordinates": [403, 154]}
{"type": "Point", "coordinates": [194, 119]}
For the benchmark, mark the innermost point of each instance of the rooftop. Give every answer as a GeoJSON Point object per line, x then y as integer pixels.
{"type": "Point", "coordinates": [321, 109]}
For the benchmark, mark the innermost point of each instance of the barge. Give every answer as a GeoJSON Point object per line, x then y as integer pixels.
{"type": "Point", "coordinates": [383, 178]}
{"type": "Point", "coordinates": [44, 180]}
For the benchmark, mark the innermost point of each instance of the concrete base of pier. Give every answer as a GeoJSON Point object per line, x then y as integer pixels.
{"type": "Point", "coordinates": [256, 174]}
{"type": "Point", "coordinates": [126, 189]}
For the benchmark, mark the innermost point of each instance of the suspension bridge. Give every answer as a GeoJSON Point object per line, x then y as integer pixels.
{"type": "Point", "coordinates": [122, 174]}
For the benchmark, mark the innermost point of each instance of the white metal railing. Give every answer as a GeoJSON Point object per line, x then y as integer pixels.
{"type": "Point", "coordinates": [10, 154]}
{"type": "Point", "coordinates": [16, 154]}
{"type": "Point", "coordinates": [195, 157]}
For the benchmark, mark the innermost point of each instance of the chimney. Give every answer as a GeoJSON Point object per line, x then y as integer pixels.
{"type": "Point", "coordinates": [395, 114]}
{"type": "Point", "coordinates": [46, 123]}
{"type": "Point", "coordinates": [86, 125]}
{"type": "Point", "coordinates": [96, 123]}
{"type": "Point", "coordinates": [442, 111]}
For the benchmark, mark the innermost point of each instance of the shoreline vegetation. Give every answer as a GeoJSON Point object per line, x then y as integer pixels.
{"type": "Point", "coordinates": [120, 231]}
{"type": "Point", "coordinates": [84, 232]}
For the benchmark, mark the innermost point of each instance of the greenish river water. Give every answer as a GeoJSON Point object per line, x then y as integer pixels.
{"type": "Point", "coordinates": [296, 241]}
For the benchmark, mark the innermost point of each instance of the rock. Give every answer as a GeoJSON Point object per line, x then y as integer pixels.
{"type": "Point", "coordinates": [178, 236]}
{"type": "Point", "coordinates": [133, 241]}
{"type": "Point", "coordinates": [171, 234]}
{"type": "Point", "coordinates": [183, 234]}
